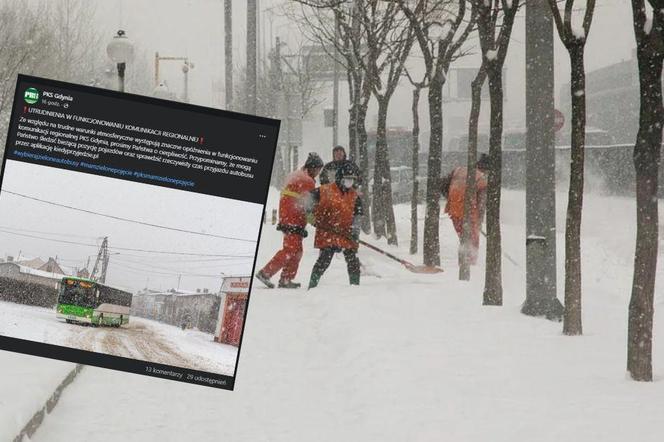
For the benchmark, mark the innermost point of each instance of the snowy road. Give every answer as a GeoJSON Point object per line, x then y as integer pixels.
{"type": "Point", "coordinates": [407, 357]}
{"type": "Point", "coordinates": [141, 339]}
{"type": "Point", "coordinates": [136, 341]}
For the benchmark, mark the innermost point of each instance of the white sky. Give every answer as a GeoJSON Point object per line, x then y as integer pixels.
{"type": "Point", "coordinates": [152, 204]}
{"type": "Point", "coordinates": [195, 28]}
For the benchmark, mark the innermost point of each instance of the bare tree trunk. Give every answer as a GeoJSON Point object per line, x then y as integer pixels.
{"type": "Point", "coordinates": [354, 96]}
{"type": "Point", "coordinates": [352, 133]}
{"type": "Point", "coordinates": [416, 166]}
{"type": "Point", "coordinates": [251, 57]}
{"type": "Point", "coordinates": [361, 140]}
{"type": "Point", "coordinates": [431, 247]}
{"type": "Point", "coordinates": [646, 162]}
{"type": "Point", "coordinates": [388, 206]}
{"type": "Point", "coordinates": [572, 324]}
{"type": "Point", "coordinates": [493, 289]}
{"type": "Point", "coordinates": [228, 52]}
{"type": "Point", "coordinates": [383, 210]}
{"type": "Point", "coordinates": [278, 175]}
{"type": "Point", "coordinates": [378, 214]}
{"type": "Point", "coordinates": [469, 195]}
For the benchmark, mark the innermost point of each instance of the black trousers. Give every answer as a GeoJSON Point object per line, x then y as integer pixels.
{"type": "Point", "coordinates": [324, 260]}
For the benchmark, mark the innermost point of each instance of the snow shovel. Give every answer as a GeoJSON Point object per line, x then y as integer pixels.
{"type": "Point", "coordinates": [408, 265]}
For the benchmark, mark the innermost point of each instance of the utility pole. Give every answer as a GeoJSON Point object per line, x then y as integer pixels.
{"type": "Point", "coordinates": [335, 86]}
{"type": "Point", "coordinates": [101, 264]}
{"type": "Point", "coordinates": [283, 111]}
{"type": "Point", "coordinates": [277, 61]}
{"type": "Point", "coordinates": [185, 71]}
{"type": "Point", "coordinates": [156, 69]}
{"type": "Point", "coordinates": [228, 52]}
{"type": "Point", "coordinates": [541, 297]}
{"type": "Point", "coordinates": [251, 56]}
{"type": "Point", "coordinates": [276, 108]}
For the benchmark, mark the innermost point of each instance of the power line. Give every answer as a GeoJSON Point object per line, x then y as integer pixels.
{"type": "Point", "coordinates": [71, 235]}
{"type": "Point", "coordinates": [128, 219]}
{"type": "Point", "coordinates": [126, 267]}
{"type": "Point", "coordinates": [143, 258]}
{"type": "Point", "coordinates": [124, 248]}
{"type": "Point", "coordinates": [149, 265]}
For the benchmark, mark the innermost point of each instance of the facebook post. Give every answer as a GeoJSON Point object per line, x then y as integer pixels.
{"type": "Point", "coordinates": [129, 229]}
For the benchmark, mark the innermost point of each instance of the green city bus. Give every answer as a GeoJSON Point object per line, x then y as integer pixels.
{"type": "Point", "coordinates": [82, 300]}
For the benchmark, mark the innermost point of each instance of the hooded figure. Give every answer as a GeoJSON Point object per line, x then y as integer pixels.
{"type": "Point", "coordinates": [330, 169]}
{"type": "Point", "coordinates": [292, 222]}
{"type": "Point", "coordinates": [337, 209]}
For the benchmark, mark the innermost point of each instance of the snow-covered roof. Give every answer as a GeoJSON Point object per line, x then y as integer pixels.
{"type": "Point", "coordinates": [35, 263]}
{"type": "Point", "coordinates": [42, 273]}
{"type": "Point", "coordinates": [30, 271]}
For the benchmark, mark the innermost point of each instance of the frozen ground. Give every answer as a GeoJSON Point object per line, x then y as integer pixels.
{"type": "Point", "coordinates": [140, 339]}
{"type": "Point", "coordinates": [407, 357]}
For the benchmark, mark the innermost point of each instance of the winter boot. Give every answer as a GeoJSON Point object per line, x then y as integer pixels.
{"type": "Point", "coordinates": [262, 277]}
{"type": "Point", "coordinates": [313, 282]}
{"type": "Point", "coordinates": [289, 285]}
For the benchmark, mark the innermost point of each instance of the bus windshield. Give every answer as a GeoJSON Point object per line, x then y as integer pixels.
{"type": "Point", "coordinates": [79, 293]}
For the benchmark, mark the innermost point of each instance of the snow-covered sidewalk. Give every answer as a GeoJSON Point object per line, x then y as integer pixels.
{"type": "Point", "coordinates": [407, 357]}
{"type": "Point", "coordinates": [26, 383]}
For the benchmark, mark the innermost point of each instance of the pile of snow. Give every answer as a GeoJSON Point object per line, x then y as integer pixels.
{"type": "Point", "coordinates": [198, 346]}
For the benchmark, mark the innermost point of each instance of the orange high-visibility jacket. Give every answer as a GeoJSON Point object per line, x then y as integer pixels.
{"type": "Point", "coordinates": [457, 190]}
{"type": "Point", "coordinates": [334, 217]}
{"type": "Point", "coordinates": [292, 203]}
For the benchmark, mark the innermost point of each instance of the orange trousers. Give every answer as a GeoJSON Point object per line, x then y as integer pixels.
{"type": "Point", "coordinates": [287, 259]}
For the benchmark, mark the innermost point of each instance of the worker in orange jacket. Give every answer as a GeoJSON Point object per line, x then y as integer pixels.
{"type": "Point", "coordinates": [292, 222]}
{"type": "Point", "coordinates": [337, 209]}
{"type": "Point", "coordinates": [455, 187]}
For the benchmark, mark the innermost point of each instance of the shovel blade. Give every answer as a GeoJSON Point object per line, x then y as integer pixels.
{"type": "Point", "coordinates": [422, 268]}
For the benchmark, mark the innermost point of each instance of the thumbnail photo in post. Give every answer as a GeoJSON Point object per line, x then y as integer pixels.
{"type": "Point", "coordinates": [129, 229]}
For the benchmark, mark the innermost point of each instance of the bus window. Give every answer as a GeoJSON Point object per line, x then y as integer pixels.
{"type": "Point", "coordinates": [73, 293]}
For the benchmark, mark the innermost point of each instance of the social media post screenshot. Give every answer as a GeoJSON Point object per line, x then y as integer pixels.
{"type": "Point", "coordinates": [129, 228]}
